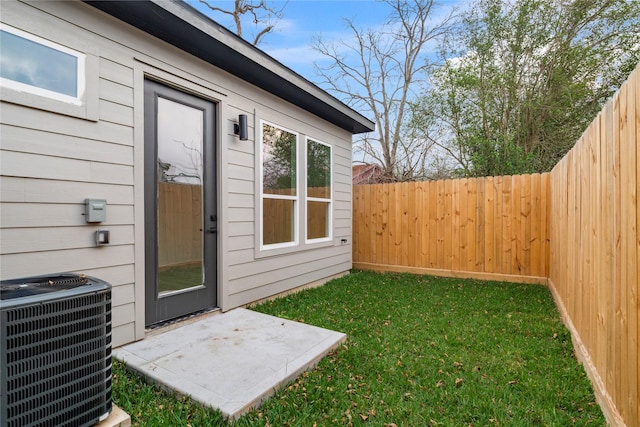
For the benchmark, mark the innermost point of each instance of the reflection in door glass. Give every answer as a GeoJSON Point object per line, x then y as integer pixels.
{"type": "Point", "coordinates": [180, 178]}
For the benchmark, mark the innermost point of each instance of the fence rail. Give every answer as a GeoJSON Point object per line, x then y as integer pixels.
{"type": "Point", "coordinates": [492, 225]}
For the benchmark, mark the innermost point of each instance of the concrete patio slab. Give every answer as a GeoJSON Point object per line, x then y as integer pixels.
{"type": "Point", "coordinates": [230, 361]}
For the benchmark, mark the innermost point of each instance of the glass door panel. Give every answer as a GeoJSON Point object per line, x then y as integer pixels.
{"type": "Point", "coordinates": [180, 178]}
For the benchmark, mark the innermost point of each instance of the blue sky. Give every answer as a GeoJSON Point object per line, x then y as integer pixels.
{"type": "Point", "coordinates": [303, 20]}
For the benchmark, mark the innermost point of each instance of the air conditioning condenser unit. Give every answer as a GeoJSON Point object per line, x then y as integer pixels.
{"type": "Point", "coordinates": [55, 351]}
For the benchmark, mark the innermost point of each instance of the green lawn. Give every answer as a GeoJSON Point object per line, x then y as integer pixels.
{"type": "Point", "coordinates": [420, 351]}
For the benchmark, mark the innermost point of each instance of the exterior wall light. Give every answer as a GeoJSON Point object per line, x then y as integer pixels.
{"type": "Point", "coordinates": [240, 128]}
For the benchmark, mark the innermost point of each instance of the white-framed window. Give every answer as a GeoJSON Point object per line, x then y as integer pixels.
{"type": "Point", "coordinates": [319, 216]}
{"type": "Point", "coordinates": [278, 186]}
{"type": "Point", "coordinates": [31, 64]}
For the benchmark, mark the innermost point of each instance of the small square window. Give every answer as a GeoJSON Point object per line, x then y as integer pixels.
{"type": "Point", "coordinates": [34, 65]}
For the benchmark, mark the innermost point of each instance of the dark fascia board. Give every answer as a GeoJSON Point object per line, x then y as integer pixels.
{"type": "Point", "coordinates": [177, 23]}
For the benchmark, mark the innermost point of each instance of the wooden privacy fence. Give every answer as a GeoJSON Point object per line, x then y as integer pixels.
{"type": "Point", "coordinates": [179, 224]}
{"type": "Point", "coordinates": [278, 216]}
{"type": "Point", "coordinates": [498, 226]}
{"type": "Point", "coordinates": [595, 248]}
{"type": "Point", "coordinates": [578, 226]}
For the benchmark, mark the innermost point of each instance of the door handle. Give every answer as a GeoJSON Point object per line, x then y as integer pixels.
{"type": "Point", "coordinates": [213, 228]}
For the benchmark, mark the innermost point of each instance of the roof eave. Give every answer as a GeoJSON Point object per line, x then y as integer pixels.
{"type": "Point", "coordinates": [184, 27]}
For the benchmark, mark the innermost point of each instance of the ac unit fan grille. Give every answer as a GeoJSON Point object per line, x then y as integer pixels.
{"type": "Point", "coordinates": [58, 361]}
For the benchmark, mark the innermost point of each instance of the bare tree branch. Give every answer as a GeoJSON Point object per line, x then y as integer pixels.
{"type": "Point", "coordinates": [260, 12]}
{"type": "Point", "coordinates": [377, 71]}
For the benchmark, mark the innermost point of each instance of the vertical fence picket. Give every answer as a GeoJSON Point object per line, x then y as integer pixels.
{"type": "Point", "coordinates": [635, 77]}
{"type": "Point", "coordinates": [355, 226]}
{"type": "Point", "coordinates": [628, 234]}
{"type": "Point", "coordinates": [458, 226]}
{"type": "Point", "coordinates": [440, 236]}
{"type": "Point", "coordinates": [473, 219]}
{"type": "Point", "coordinates": [433, 224]}
{"type": "Point", "coordinates": [405, 240]}
{"type": "Point", "coordinates": [534, 238]}
{"type": "Point", "coordinates": [489, 225]}
{"type": "Point", "coordinates": [618, 322]}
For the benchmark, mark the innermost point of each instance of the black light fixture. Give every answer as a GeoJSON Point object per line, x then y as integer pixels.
{"type": "Point", "coordinates": [240, 128]}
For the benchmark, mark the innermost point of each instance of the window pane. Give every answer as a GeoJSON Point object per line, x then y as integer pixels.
{"type": "Point", "coordinates": [318, 170]}
{"type": "Point", "coordinates": [180, 130]}
{"type": "Point", "coordinates": [34, 64]}
{"type": "Point", "coordinates": [317, 220]}
{"type": "Point", "coordinates": [279, 161]}
{"type": "Point", "coordinates": [277, 221]}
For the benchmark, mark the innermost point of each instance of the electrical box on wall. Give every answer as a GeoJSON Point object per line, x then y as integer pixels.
{"type": "Point", "coordinates": [102, 237]}
{"type": "Point", "coordinates": [95, 210]}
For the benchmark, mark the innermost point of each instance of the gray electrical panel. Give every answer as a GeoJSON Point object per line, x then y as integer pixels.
{"type": "Point", "coordinates": [95, 210]}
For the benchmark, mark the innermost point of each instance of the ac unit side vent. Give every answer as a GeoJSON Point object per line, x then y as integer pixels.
{"type": "Point", "coordinates": [56, 357]}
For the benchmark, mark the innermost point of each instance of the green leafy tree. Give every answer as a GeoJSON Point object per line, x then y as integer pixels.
{"type": "Point", "coordinates": [522, 79]}
{"type": "Point", "coordinates": [279, 160]}
{"type": "Point", "coordinates": [318, 165]}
